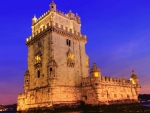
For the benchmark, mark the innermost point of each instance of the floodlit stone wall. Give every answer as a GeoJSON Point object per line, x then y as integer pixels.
{"type": "Point", "coordinates": [108, 89]}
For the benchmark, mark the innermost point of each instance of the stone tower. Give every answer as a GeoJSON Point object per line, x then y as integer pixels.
{"type": "Point", "coordinates": [56, 60]}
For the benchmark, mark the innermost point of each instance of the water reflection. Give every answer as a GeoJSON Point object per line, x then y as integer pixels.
{"type": "Point", "coordinates": [146, 104]}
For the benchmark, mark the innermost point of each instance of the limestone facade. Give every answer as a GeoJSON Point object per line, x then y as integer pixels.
{"type": "Point", "coordinates": [58, 67]}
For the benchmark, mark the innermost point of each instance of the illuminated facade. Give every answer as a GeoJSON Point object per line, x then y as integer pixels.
{"type": "Point", "coordinates": [58, 67]}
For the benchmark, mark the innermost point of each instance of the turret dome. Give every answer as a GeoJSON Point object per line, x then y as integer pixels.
{"type": "Point", "coordinates": [134, 76]}
{"type": "Point", "coordinates": [95, 68]}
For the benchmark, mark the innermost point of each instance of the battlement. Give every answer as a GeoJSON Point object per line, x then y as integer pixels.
{"type": "Point", "coordinates": [41, 17]}
{"type": "Point", "coordinates": [106, 80]}
{"type": "Point", "coordinates": [75, 17]}
{"type": "Point", "coordinates": [86, 81]}
{"type": "Point", "coordinates": [58, 27]}
{"type": "Point", "coordinates": [68, 23]}
{"type": "Point", "coordinates": [69, 20]}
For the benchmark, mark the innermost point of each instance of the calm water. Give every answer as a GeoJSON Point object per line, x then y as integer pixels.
{"type": "Point", "coordinates": [146, 104]}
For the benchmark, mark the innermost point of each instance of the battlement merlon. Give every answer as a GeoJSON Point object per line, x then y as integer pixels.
{"type": "Point", "coordinates": [54, 27]}
{"type": "Point", "coordinates": [69, 20]}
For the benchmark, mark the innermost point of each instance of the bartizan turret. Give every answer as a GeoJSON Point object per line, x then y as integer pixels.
{"type": "Point", "coordinates": [134, 79]}
{"type": "Point", "coordinates": [95, 73]}
{"type": "Point", "coordinates": [135, 82]}
{"type": "Point", "coordinates": [52, 72]}
{"type": "Point", "coordinates": [34, 19]}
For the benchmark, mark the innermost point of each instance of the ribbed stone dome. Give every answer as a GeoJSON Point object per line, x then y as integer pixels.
{"type": "Point", "coordinates": [95, 68]}
{"type": "Point", "coordinates": [134, 76]}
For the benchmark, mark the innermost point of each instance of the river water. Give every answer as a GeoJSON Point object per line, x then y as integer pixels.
{"type": "Point", "coordinates": [146, 104]}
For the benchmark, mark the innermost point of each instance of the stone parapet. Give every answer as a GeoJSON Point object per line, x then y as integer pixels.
{"type": "Point", "coordinates": [58, 29]}
{"type": "Point", "coordinates": [107, 80]}
{"type": "Point", "coordinates": [62, 14]}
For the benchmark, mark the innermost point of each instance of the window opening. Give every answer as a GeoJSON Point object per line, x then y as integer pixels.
{"type": "Point", "coordinates": [68, 42]}
{"type": "Point", "coordinates": [51, 69]}
{"type": "Point", "coordinates": [38, 73]}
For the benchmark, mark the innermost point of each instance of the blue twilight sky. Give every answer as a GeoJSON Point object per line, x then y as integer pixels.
{"type": "Point", "coordinates": [118, 34]}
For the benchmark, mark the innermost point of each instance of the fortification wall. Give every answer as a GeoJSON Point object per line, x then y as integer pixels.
{"type": "Point", "coordinates": [107, 90]}
{"type": "Point", "coordinates": [48, 96]}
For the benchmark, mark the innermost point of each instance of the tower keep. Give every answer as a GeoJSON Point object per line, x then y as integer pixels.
{"type": "Point", "coordinates": [57, 60]}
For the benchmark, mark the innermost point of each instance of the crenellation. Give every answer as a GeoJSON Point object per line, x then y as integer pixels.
{"type": "Point", "coordinates": [81, 36]}
{"type": "Point", "coordinates": [45, 15]}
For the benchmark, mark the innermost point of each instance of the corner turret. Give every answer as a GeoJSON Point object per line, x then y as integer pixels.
{"type": "Point", "coordinates": [34, 19]}
{"type": "Point", "coordinates": [95, 71]}
{"type": "Point", "coordinates": [134, 79]}
{"type": "Point", "coordinates": [52, 6]}
{"type": "Point", "coordinates": [52, 72]}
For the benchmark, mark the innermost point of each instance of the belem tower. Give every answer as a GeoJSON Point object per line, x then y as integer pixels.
{"type": "Point", "coordinates": [58, 71]}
